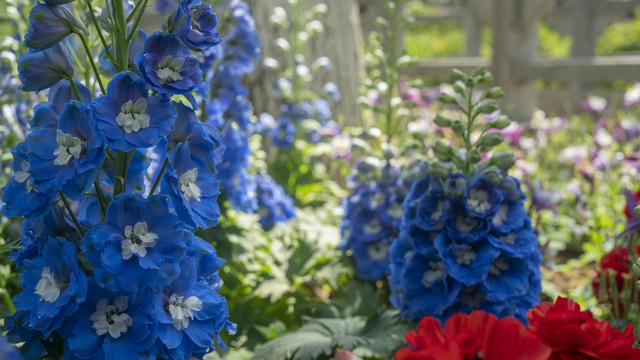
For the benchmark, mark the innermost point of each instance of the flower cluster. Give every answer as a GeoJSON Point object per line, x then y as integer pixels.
{"type": "Point", "coordinates": [372, 215]}
{"type": "Point", "coordinates": [274, 206]}
{"type": "Point", "coordinates": [465, 241]}
{"type": "Point", "coordinates": [300, 106]}
{"type": "Point", "coordinates": [109, 267]}
{"type": "Point", "coordinates": [557, 332]}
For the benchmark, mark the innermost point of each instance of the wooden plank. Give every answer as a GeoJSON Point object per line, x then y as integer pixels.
{"type": "Point", "coordinates": [440, 68]}
{"type": "Point", "coordinates": [588, 69]}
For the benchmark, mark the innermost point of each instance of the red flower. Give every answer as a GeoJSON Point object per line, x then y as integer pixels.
{"type": "Point", "coordinates": [472, 336]}
{"type": "Point", "coordinates": [576, 335]}
{"type": "Point", "coordinates": [627, 213]}
{"type": "Point", "coordinates": [618, 262]}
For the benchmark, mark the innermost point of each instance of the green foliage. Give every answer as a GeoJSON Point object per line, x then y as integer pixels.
{"type": "Point", "coordinates": [376, 338]}
{"type": "Point", "coordinates": [622, 37]}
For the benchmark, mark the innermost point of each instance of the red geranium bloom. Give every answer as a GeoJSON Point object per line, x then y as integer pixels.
{"type": "Point", "coordinates": [472, 336]}
{"type": "Point", "coordinates": [619, 262]}
{"type": "Point", "coordinates": [576, 335]}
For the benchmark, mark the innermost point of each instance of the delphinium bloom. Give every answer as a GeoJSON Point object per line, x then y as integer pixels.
{"type": "Point", "coordinates": [8, 352]}
{"type": "Point", "coordinates": [274, 206]}
{"type": "Point", "coordinates": [50, 24]}
{"type": "Point", "coordinates": [195, 23]}
{"type": "Point", "coordinates": [472, 336]}
{"type": "Point", "coordinates": [112, 185]}
{"type": "Point", "coordinates": [465, 242]}
{"type": "Point", "coordinates": [575, 334]}
{"type": "Point", "coordinates": [373, 212]}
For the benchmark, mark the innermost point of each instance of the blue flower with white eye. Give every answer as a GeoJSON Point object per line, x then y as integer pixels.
{"type": "Point", "coordinates": [511, 216]}
{"type": "Point", "coordinates": [511, 190]}
{"type": "Point", "coordinates": [481, 199]}
{"type": "Point", "coordinates": [21, 195]}
{"type": "Point", "coordinates": [49, 25]}
{"type": "Point", "coordinates": [52, 286]}
{"type": "Point", "coordinates": [283, 135]}
{"type": "Point", "coordinates": [467, 263]}
{"type": "Point", "coordinates": [113, 326]}
{"type": "Point", "coordinates": [204, 143]}
{"type": "Point", "coordinates": [516, 243]}
{"type": "Point", "coordinates": [129, 117]}
{"type": "Point", "coordinates": [190, 315]}
{"type": "Point", "coordinates": [167, 66]}
{"type": "Point", "coordinates": [508, 278]}
{"type": "Point", "coordinates": [372, 258]}
{"type": "Point", "coordinates": [67, 158]}
{"type": "Point", "coordinates": [139, 245]}
{"type": "Point", "coordinates": [431, 210]}
{"type": "Point", "coordinates": [195, 23]}
{"type": "Point", "coordinates": [192, 190]}
{"type": "Point", "coordinates": [274, 206]}
{"type": "Point", "coordinates": [43, 69]}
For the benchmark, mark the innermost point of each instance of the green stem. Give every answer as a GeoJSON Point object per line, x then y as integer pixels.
{"type": "Point", "coordinates": [74, 87]}
{"type": "Point", "coordinates": [8, 301]}
{"type": "Point", "coordinates": [120, 170]}
{"type": "Point", "coordinates": [157, 181]}
{"type": "Point", "coordinates": [121, 46]}
{"type": "Point", "coordinates": [73, 216]}
{"type": "Point", "coordinates": [135, 25]}
{"type": "Point", "coordinates": [87, 49]}
{"type": "Point", "coordinates": [102, 201]}
{"type": "Point", "coordinates": [135, 9]}
{"type": "Point", "coordinates": [96, 24]}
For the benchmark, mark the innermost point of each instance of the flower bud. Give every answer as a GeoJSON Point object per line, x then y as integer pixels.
{"type": "Point", "coordinates": [442, 121]}
{"type": "Point", "coordinates": [459, 87]}
{"type": "Point", "coordinates": [486, 78]}
{"type": "Point", "coordinates": [494, 174]}
{"type": "Point", "coordinates": [442, 151]}
{"type": "Point", "coordinates": [495, 93]}
{"type": "Point", "coordinates": [457, 127]}
{"type": "Point", "coordinates": [488, 107]}
{"type": "Point", "coordinates": [447, 99]}
{"type": "Point", "coordinates": [474, 156]}
{"type": "Point", "coordinates": [440, 170]}
{"type": "Point", "coordinates": [457, 75]}
{"type": "Point", "coordinates": [503, 160]}
{"type": "Point", "coordinates": [499, 123]}
{"type": "Point", "coordinates": [636, 266]}
{"type": "Point", "coordinates": [490, 140]}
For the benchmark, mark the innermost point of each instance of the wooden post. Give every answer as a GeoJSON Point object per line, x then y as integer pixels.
{"type": "Point", "coordinates": [584, 42]}
{"type": "Point", "coordinates": [473, 29]}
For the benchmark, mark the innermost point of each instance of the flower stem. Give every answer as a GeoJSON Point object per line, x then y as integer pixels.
{"type": "Point", "coordinates": [73, 216]}
{"type": "Point", "coordinates": [7, 300]}
{"type": "Point", "coordinates": [87, 49]}
{"type": "Point", "coordinates": [157, 181]}
{"type": "Point", "coordinates": [102, 201]}
{"type": "Point", "coordinates": [135, 25]}
{"type": "Point", "coordinates": [99, 30]}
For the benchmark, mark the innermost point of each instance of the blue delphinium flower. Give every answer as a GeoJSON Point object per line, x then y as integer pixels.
{"type": "Point", "coordinates": [274, 206]}
{"type": "Point", "coordinates": [479, 241]}
{"type": "Point", "coordinates": [21, 195]}
{"type": "Point", "coordinates": [239, 185]}
{"type": "Point", "coordinates": [52, 286]}
{"type": "Point", "coordinates": [18, 332]}
{"type": "Point", "coordinates": [49, 25]}
{"type": "Point", "coordinates": [195, 23]}
{"type": "Point", "coordinates": [372, 215]}
{"type": "Point", "coordinates": [168, 67]}
{"type": "Point", "coordinates": [129, 117]}
{"type": "Point", "coordinates": [114, 325]}
{"type": "Point", "coordinates": [8, 352]}
{"type": "Point", "coordinates": [67, 158]}
{"type": "Point", "coordinates": [193, 190]}
{"type": "Point", "coordinates": [139, 245]}
{"type": "Point", "coordinates": [190, 315]}
{"type": "Point", "coordinates": [43, 69]}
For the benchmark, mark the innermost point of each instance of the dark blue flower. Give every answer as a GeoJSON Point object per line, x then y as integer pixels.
{"type": "Point", "coordinates": [129, 117]}
{"type": "Point", "coordinates": [372, 258]}
{"type": "Point", "coordinates": [46, 114]}
{"type": "Point", "coordinates": [49, 25]}
{"type": "Point", "coordinates": [517, 243]}
{"type": "Point", "coordinates": [139, 245]}
{"type": "Point", "coordinates": [431, 210]}
{"type": "Point", "coordinates": [195, 23]}
{"type": "Point", "coordinates": [283, 135]}
{"type": "Point", "coordinates": [21, 195]}
{"type": "Point", "coordinates": [193, 190]}
{"type": "Point", "coordinates": [481, 199]}
{"type": "Point", "coordinates": [67, 158]}
{"type": "Point", "coordinates": [464, 228]}
{"type": "Point", "coordinates": [113, 326]}
{"type": "Point", "coordinates": [241, 191]}
{"type": "Point", "coordinates": [167, 66]}
{"type": "Point", "coordinates": [274, 206]}
{"type": "Point", "coordinates": [8, 352]}
{"type": "Point", "coordinates": [510, 217]}
{"type": "Point", "coordinates": [507, 278]}
{"type": "Point", "coordinates": [52, 286]}
{"type": "Point", "coordinates": [467, 263]}
{"type": "Point", "coordinates": [190, 315]}
{"type": "Point", "coordinates": [43, 69]}
{"type": "Point", "coordinates": [20, 332]}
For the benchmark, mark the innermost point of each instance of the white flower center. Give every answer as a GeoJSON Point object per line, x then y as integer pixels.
{"type": "Point", "coordinates": [464, 255]}
{"type": "Point", "coordinates": [48, 287]}
{"type": "Point", "coordinates": [23, 175]}
{"type": "Point", "coordinates": [501, 216]}
{"type": "Point", "coordinates": [395, 211]}
{"type": "Point", "coordinates": [510, 238]}
{"type": "Point", "coordinates": [439, 210]}
{"type": "Point", "coordinates": [498, 267]}
{"type": "Point", "coordinates": [169, 70]}
{"type": "Point", "coordinates": [137, 239]}
{"type": "Point", "coordinates": [188, 185]}
{"type": "Point", "coordinates": [434, 275]}
{"type": "Point", "coordinates": [478, 201]}
{"type": "Point", "coordinates": [378, 251]}
{"type": "Point", "coordinates": [68, 147]}
{"type": "Point", "coordinates": [377, 200]}
{"type": "Point", "coordinates": [465, 224]}
{"type": "Point", "coordinates": [373, 227]}
{"type": "Point", "coordinates": [133, 116]}
{"type": "Point", "coordinates": [182, 309]}
{"type": "Point", "coordinates": [112, 318]}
